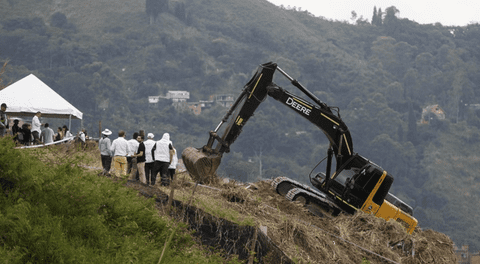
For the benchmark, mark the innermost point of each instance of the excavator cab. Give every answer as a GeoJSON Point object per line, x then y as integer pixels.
{"type": "Point", "coordinates": [354, 182]}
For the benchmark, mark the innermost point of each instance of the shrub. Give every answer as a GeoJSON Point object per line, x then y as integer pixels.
{"type": "Point", "coordinates": [61, 213]}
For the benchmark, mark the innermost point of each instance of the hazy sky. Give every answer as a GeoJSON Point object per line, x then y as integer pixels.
{"type": "Point", "coordinates": [448, 13]}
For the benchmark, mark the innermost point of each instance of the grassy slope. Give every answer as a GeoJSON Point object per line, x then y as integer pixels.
{"type": "Point", "coordinates": [60, 212]}
{"type": "Point", "coordinates": [69, 206]}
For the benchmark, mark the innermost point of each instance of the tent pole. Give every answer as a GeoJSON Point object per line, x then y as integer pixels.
{"type": "Point", "coordinates": [70, 122]}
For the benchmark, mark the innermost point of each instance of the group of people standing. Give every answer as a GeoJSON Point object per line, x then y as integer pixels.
{"type": "Point", "coordinates": [138, 158]}
{"type": "Point", "coordinates": [28, 134]}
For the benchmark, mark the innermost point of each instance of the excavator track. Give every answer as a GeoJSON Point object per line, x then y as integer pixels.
{"type": "Point", "coordinates": [316, 202]}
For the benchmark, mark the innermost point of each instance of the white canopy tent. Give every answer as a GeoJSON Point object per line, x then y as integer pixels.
{"type": "Point", "coordinates": [29, 95]}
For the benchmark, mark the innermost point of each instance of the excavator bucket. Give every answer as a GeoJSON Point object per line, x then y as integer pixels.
{"type": "Point", "coordinates": [203, 163]}
{"type": "Point", "coordinates": [200, 165]}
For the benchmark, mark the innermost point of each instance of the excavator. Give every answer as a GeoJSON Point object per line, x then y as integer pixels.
{"type": "Point", "coordinates": [354, 184]}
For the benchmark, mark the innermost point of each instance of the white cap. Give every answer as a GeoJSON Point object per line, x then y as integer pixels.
{"type": "Point", "coordinates": [150, 135]}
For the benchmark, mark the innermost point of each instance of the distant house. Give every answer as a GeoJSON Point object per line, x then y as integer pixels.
{"type": "Point", "coordinates": [153, 99]}
{"type": "Point", "coordinates": [179, 100]}
{"type": "Point", "coordinates": [465, 257]}
{"type": "Point", "coordinates": [197, 107]}
{"type": "Point", "coordinates": [474, 107]}
{"type": "Point", "coordinates": [432, 112]}
{"type": "Point", "coordinates": [177, 97]}
{"type": "Point", "coordinates": [225, 100]}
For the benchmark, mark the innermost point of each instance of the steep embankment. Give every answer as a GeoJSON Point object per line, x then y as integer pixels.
{"type": "Point", "coordinates": [255, 212]}
{"type": "Point", "coordinates": [244, 220]}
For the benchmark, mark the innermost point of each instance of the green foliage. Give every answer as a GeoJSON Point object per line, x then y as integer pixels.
{"type": "Point", "coordinates": [61, 214]}
{"type": "Point", "coordinates": [155, 7]}
{"type": "Point", "coordinates": [58, 19]}
{"type": "Point", "coordinates": [365, 261]}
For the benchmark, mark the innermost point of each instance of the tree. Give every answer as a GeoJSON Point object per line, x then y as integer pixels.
{"type": "Point", "coordinates": [412, 125]}
{"type": "Point", "coordinates": [410, 84]}
{"type": "Point", "coordinates": [394, 93]}
{"type": "Point", "coordinates": [391, 21]}
{"type": "Point", "coordinates": [180, 11]}
{"type": "Point", "coordinates": [377, 17]}
{"type": "Point", "coordinates": [392, 155]}
{"type": "Point", "coordinates": [354, 16]}
{"type": "Point", "coordinates": [154, 8]}
{"type": "Point", "coordinates": [58, 19]}
{"type": "Point", "coordinates": [239, 169]}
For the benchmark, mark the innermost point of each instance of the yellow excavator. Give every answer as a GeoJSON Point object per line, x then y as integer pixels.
{"type": "Point", "coordinates": [355, 184]}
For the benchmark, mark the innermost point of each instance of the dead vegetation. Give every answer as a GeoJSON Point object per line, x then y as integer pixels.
{"type": "Point", "coordinates": [229, 214]}
{"type": "Point", "coordinates": [306, 238]}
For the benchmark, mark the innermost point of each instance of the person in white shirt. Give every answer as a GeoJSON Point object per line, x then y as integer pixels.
{"type": "Point", "coordinates": [131, 158]}
{"type": "Point", "coordinates": [82, 137]}
{"type": "Point", "coordinates": [36, 131]}
{"type": "Point", "coordinates": [104, 145]}
{"type": "Point", "coordinates": [66, 132]}
{"type": "Point", "coordinates": [149, 162]}
{"type": "Point", "coordinates": [47, 135]}
{"type": "Point", "coordinates": [120, 151]}
{"type": "Point", "coordinates": [173, 165]}
{"type": "Point", "coordinates": [163, 155]}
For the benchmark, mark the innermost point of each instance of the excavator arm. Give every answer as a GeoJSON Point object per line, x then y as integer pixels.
{"type": "Point", "coordinates": [202, 163]}
{"type": "Point", "coordinates": [356, 184]}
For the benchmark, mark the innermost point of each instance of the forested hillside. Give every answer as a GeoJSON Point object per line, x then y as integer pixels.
{"type": "Point", "coordinates": [107, 57]}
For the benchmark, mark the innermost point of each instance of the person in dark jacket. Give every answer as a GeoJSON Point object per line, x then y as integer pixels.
{"type": "Point", "coordinates": [17, 132]}
{"type": "Point", "coordinates": [27, 134]}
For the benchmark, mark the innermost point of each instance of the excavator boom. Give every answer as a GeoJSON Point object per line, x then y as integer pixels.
{"type": "Point", "coordinates": [356, 183]}
{"type": "Point", "coordinates": [202, 163]}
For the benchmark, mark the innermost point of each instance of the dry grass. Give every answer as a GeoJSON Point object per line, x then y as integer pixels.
{"type": "Point", "coordinates": [303, 237]}
{"type": "Point", "coordinates": [69, 152]}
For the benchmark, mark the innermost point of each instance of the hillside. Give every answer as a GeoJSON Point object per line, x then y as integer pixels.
{"type": "Point", "coordinates": [228, 219]}
{"type": "Point", "coordinates": [106, 58]}
{"type": "Point", "coordinates": [300, 235]}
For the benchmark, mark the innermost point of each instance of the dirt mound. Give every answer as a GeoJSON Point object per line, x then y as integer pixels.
{"type": "Point", "coordinates": [234, 208]}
